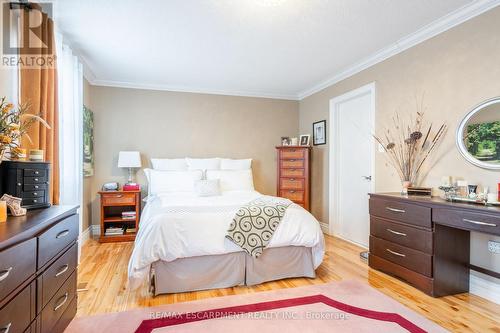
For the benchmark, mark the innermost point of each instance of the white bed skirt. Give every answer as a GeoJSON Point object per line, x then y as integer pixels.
{"type": "Point", "coordinates": [232, 269]}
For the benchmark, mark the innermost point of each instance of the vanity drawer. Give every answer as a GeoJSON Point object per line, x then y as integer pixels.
{"type": "Point", "coordinates": [296, 196]}
{"type": "Point", "coordinates": [287, 154]}
{"type": "Point", "coordinates": [294, 164]}
{"type": "Point", "coordinates": [114, 199]}
{"type": "Point", "coordinates": [412, 259]}
{"type": "Point", "coordinates": [58, 304]}
{"type": "Point", "coordinates": [54, 240]}
{"type": "Point", "coordinates": [467, 220]}
{"type": "Point", "coordinates": [401, 211]}
{"type": "Point", "coordinates": [401, 234]}
{"type": "Point", "coordinates": [293, 173]}
{"type": "Point", "coordinates": [292, 183]}
{"type": "Point", "coordinates": [15, 317]}
{"type": "Point", "coordinates": [17, 264]}
{"type": "Point", "coordinates": [57, 273]}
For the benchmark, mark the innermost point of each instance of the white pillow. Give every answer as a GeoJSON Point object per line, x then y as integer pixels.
{"type": "Point", "coordinates": [171, 181]}
{"type": "Point", "coordinates": [230, 164]}
{"type": "Point", "coordinates": [207, 188]}
{"type": "Point", "coordinates": [233, 180]}
{"type": "Point", "coordinates": [203, 163]}
{"type": "Point", "coordinates": [170, 164]}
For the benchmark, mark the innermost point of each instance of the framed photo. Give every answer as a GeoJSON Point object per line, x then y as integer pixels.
{"type": "Point", "coordinates": [305, 140]}
{"type": "Point", "coordinates": [285, 141]}
{"type": "Point", "coordinates": [319, 133]}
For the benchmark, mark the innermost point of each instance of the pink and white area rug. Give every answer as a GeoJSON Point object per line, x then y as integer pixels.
{"type": "Point", "coordinates": [346, 306]}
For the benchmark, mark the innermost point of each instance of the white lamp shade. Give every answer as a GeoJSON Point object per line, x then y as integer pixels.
{"type": "Point", "coordinates": [129, 159]}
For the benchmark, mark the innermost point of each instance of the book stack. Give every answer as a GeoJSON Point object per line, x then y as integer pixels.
{"type": "Point", "coordinates": [130, 231]}
{"type": "Point", "coordinates": [130, 215]}
{"type": "Point", "coordinates": [113, 231]}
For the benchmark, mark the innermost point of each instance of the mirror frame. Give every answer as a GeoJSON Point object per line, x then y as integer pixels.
{"type": "Point", "coordinates": [460, 134]}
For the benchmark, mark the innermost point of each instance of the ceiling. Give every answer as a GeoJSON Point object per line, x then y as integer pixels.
{"type": "Point", "coordinates": [270, 48]}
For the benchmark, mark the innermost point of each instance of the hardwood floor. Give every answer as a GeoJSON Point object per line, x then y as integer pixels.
{"type": "Point", "coordinates": [103, 277]}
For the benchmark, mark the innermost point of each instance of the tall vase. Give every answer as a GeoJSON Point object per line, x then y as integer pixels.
{"type": "Point", "coordinates": [405, 184]}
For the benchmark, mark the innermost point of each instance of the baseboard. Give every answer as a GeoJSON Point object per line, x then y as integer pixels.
{"type": "Point", "coordinates": [84, 236]}
{"type": "Point", "coordinates": [96, 230]}
{"type": "Point", "coordinates": [485, 286]}
{"type": "Point", "coordinates": [325, 228]}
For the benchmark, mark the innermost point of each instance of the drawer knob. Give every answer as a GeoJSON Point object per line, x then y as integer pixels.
{"type": "Point", "coordinates": [292, 179]}
{"type": "Point", "coordinates": [62, 234]}
{"type": "Point", "coordinates": [36, 186]}
{"type": "Point", "coordinates": [395, 210]}
{"type": "Point", "coordinates": [480, 223]}
{"type": "Point", "coordinates": [35, 201]}
{"type": "Point", "coordinates": [5, 273]}
{"type": "Point", "coordinates": [36, 179]}
{"type": "Point", "coordinates": [6, 328]}
{"type": "Point", "coordinates": [34, 193]}
{"type": "Point", "coordinates": [64, 298]}
{"type": "Point", "coordinates": [36, 172]}
{"type": "Point", "coordinates": [62, 270]}
{"type": "Point", "coordinates": [292, 160]}
{"type": "Point", "coordinates": [396, 253]}
{"type": "Point", "coordinates": [19, 184]}
{"type": "Point", "coordinates": [396, 232]}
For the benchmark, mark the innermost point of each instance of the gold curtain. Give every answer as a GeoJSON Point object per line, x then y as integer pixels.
{"type": "Point", "coordinates": [38, 86]}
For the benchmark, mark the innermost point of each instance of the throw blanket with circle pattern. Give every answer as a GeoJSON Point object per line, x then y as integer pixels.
{"type": "Point", "coordinates": [255, 223]}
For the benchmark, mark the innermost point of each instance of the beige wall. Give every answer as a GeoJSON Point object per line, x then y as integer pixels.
{"type": "Point", "coordinates": [171, 124]}
{"type": "Point", "coordinates": [456, 70]}
{"type": "Point", "coordinates": [87, 181]}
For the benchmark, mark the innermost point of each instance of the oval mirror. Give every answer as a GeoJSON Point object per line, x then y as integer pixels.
{"type": "Point", "coordinates": [478, 136]}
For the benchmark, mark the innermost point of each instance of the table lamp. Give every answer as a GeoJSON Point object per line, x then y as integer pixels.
{"type": "Point", "coordinates": [130, 160]}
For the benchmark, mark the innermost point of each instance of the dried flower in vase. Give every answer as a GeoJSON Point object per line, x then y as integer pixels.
{"type": "Point", "coordinates": [407, 147]}
{"type": "Point", "coordinates": [14, 124]}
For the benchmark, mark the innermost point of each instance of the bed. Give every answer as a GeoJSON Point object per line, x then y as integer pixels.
{"type": "Point", "coordinates": [181, 244]}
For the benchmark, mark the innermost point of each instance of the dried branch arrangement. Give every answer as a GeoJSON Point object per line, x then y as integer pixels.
{"type": "Point", "coordinates": [408, 145]}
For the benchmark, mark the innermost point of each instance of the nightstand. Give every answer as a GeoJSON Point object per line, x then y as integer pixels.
{"type": "Point", "coordinates": [117, 211]}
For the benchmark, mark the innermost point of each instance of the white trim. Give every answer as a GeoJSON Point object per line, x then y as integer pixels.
{"type": "Point", "coordinates": [351, 242]}
{"type": "Point", "coordinates": [163, 87]}
{"type": "Point", "coordinates": [84, 236]}
{"type": "Point", "coordinates": [325, 228]}
{"type": "Point", "coordinates": [482, 286]}
{"type": "Point", "coordinates": [433, 29]}
{"type": "Point", "coordinates": [96, 230]}
{"type": "Point", "coordinates": [334, 195]}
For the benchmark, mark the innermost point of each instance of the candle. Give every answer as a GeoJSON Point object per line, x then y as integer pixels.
{"type": "Point", "coordinates": [446, 180]}
{"type": "Point", "coordinates": [3, 211]}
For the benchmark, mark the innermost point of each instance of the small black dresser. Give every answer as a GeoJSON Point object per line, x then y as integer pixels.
{"type": "Point", "coordinates": [26, 180]}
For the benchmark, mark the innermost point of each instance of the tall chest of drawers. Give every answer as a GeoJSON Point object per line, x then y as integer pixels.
{"type": "Point", "coordinates": [294, 174]}
{"type": "Point", "coordinates": [26, 180]}
{"type": "Point", "coordinates": [38, 260]}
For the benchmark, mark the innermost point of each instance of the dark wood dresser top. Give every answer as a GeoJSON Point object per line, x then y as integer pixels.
{"type": "Point", "coordinates": [437, 202]}
{"type": "Point", "coordinates": [19, 229]}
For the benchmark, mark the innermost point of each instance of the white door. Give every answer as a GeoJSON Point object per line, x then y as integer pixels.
{"type": "Point", "coordinates": [351, 163]}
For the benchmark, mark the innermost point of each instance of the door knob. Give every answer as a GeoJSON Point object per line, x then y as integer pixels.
{"type": "Point", "coordinates": [369, 178]}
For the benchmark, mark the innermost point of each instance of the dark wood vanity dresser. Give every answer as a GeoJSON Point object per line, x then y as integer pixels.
{"type": "Point", "coordinates": [425, 241]}
{"type": "Point", "coordinates": [38, 259]}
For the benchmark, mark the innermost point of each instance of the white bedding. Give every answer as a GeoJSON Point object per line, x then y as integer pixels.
{"type": "Point", "coordinates": [180, 225]}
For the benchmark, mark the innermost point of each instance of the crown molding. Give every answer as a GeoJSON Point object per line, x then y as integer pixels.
{"type": "Point", "coordinates": [433, 29]}
{"type": "Point", "coordinates": [161, 87]}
